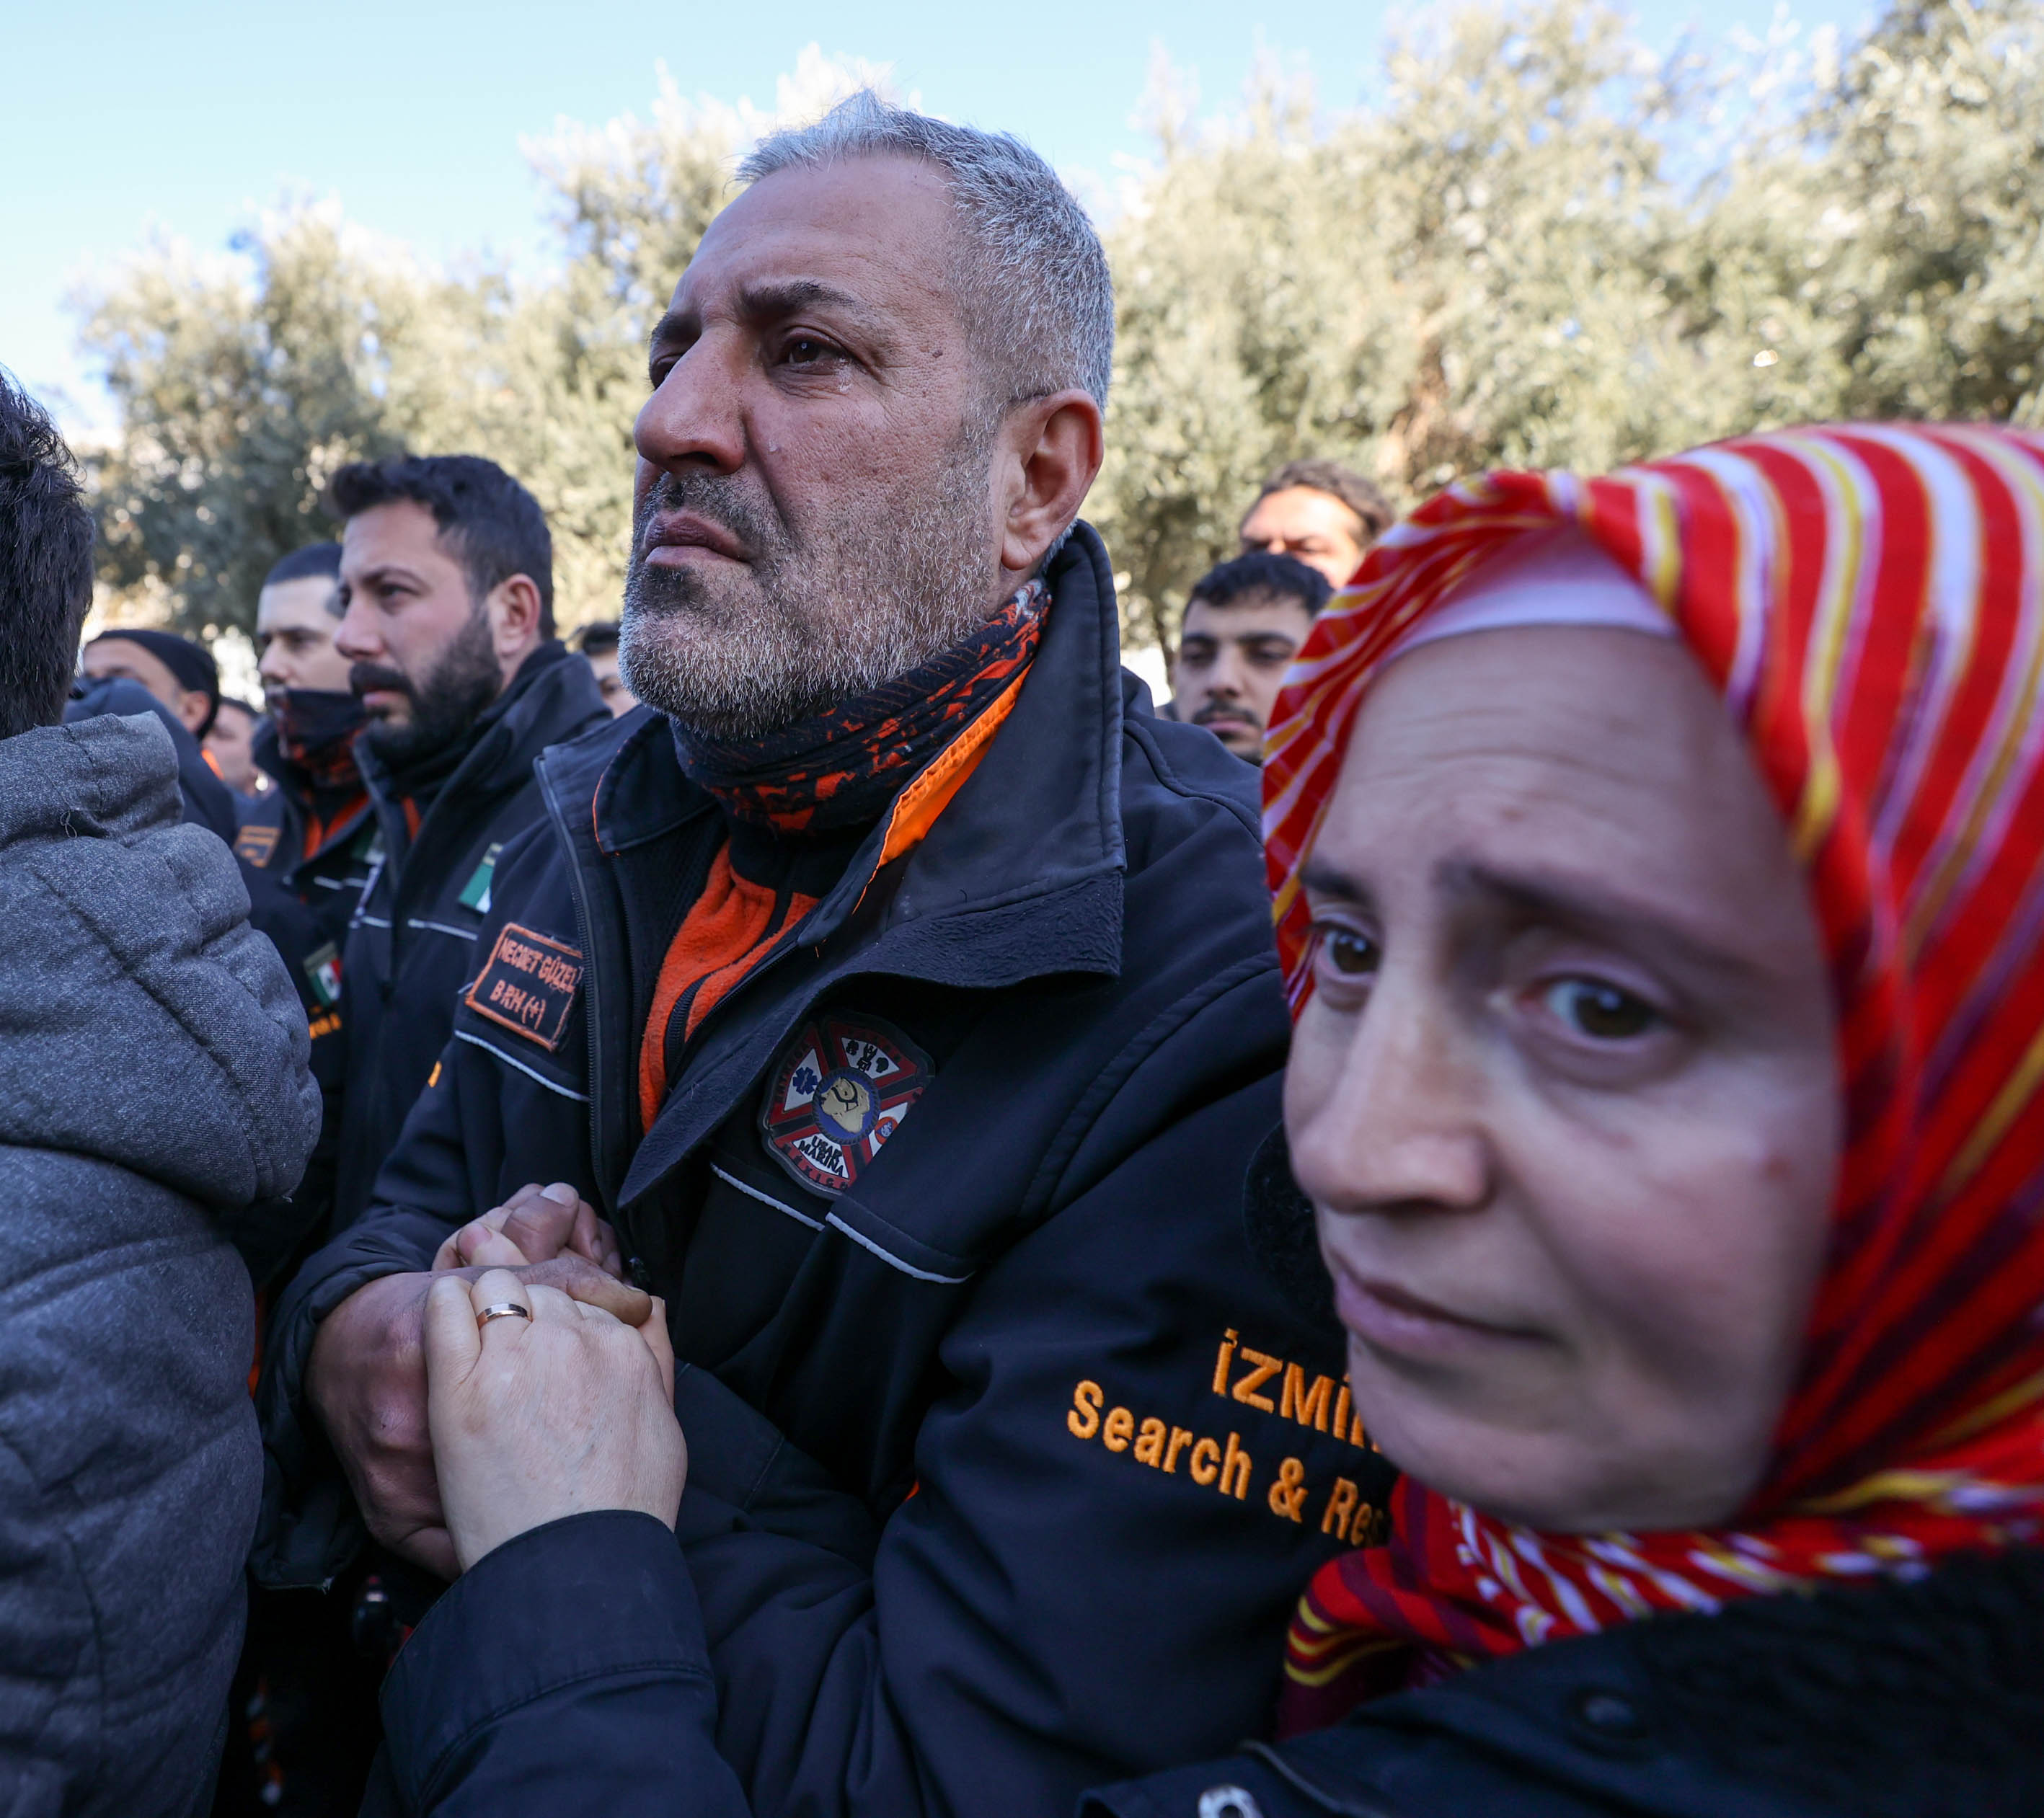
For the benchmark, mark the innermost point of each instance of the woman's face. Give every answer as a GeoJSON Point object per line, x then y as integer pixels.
{"type": "Point", "coordinates": [1565, 1097]}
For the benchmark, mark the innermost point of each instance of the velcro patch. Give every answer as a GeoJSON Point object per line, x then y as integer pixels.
{"type": "Point", "coordinates": [255, 843]}
{"type": "Point", "coordinates": [839, 1090]}
{"type": "Point", "coordinates": [529, 984]}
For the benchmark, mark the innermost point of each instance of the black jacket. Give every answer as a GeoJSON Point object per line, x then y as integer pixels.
{"type": "Point", "coordinates": [569, 1672]}
{"type": "Point", "coordinates": [1007, 1461]}
{"type": "Point", "coordinates": [329, 881]}
{"type": "Point", "coordinates": [1914, 1700]}
{"type": "Point", "coordinates": [408, 952]}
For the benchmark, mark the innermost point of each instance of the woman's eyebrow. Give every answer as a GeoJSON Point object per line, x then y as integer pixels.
{"type": "Point", "coordinates": [1325, 880]}
{"type": "Point", "coordinates": [1569, 903]}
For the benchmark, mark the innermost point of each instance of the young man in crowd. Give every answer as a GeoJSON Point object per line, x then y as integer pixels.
{"type": "Point", "coordinates": [903, 995]}
{"type": "Point", "coordinates": [1245, 621]}
{"type": "Point", "coordinates": [598, 643]}
{"type": "Point", "coordinates": [446, 594]}
{"type": "Point", "coordinates": [152, 1089]}
{"type": "Point", "coordinates": [317, 831]}
{"type": "Point", "coordinates": [1319, 513]}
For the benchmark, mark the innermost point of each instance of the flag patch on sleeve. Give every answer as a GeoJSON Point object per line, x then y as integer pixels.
{"type": "Point", "coordinates": [529, 984]}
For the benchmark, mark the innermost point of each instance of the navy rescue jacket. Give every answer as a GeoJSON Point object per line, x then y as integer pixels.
{"type": "Point", "coordinates": [568, 1672]}
{"type": "Point", "coordinates": [407, 954]}
{"type": "Point", "coordinates": [1007, 1459]}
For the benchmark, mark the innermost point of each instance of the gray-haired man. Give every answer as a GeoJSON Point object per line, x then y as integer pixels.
{"type": "Point", "coordinates": [902, 992]}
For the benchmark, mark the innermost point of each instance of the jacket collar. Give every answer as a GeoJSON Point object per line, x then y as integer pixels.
{"type": "Point", "coordinates": [551, 698]}
{"type": "Point", "coordinates": [1040, 815]}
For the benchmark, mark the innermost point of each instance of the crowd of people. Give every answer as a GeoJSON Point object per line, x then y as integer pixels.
{"type": "Point", "coordinates": [835, 1212]}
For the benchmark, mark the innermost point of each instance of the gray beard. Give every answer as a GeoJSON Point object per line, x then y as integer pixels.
{"type": "Point", "coordinates": [815, 619]}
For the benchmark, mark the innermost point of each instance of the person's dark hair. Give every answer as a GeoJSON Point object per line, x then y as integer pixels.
{"type": "Point", "coordinates": [190, 661]}
{"type": "Point", "coordinates": [320, 561]}
{"type": "Point", "coordinates": [1260, 572]}
{"type": "Point", "coordinates": [45, 563]}
{"type": "Point", "coordinates": [251, 713]}
{"type": "Point", "coordinates": [490, 521]}
{"type": "Point", "coordinates": [597, 639]}
{"type": "Point", "coordinates": [1343, 483]}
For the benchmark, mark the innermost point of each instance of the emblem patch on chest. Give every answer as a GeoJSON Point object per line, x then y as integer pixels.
{"type": "Point", "coordinates": [839, 1090]}
{"type": "Point", "coordinates": [527, 983]}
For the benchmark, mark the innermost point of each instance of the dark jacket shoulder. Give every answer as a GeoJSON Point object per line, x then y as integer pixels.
{"type": "Point", "coordinates": [1894, 1698]}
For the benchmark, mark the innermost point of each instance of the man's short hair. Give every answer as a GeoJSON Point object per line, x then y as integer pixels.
{"type": "Point", "coordinates": [190, 663]}
{"type": "Point", "coordinates": [251, 713]}
{"type": "Point", "coordinates": [45, 563]}
{"type": "Point", "coordinates": [597, 639]}
{"type": "Point", "coordinates": [317, 560]}
{"type": "Point", "coordinates": [1339, 482]}
{"type": "Point", "coordinates": [1260, 572]}
{"type": "Point", "coordinates": [490, 523]}
{"type": "Point", "coordinates": [1032, 283]}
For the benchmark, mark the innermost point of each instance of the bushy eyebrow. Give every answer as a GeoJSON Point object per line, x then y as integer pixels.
{"type": "Point", "coordinates": [1541, 898]}
{"type": "Point", "coordinates": [761, 305]}
{"type": "Point", "coordinates": [1600, 915]}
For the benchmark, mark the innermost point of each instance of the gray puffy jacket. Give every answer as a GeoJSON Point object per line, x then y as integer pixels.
{"type": "Point", "coordinates": [152, 1083]}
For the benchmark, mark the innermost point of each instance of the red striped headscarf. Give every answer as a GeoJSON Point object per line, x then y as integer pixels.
{"type": "Point", "coordinates": [1868, 602]}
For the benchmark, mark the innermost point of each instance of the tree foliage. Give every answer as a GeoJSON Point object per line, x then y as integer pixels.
{"type": "Point", "coordinates": [1537, 247]}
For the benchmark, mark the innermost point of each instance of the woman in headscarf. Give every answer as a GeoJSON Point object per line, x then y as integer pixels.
{"type": "Point", "coordinates": [1659, 874]}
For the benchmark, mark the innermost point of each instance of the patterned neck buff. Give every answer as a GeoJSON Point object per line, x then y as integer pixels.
{"type": "Point", "coordinates": [841, 769]}
{"type": "Point", "coordinates": [316, 730]}
{"type": "Point", "coordinates": [1868, 602]}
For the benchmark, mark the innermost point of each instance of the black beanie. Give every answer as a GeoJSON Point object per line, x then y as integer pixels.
{"type": "Point", "coordinates": [192, 664]}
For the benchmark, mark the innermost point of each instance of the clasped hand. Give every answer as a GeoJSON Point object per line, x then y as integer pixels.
{"type": "Point", "coordinates": [556, 1412]}
{"type": "Point", "coordinates": [417, 1418]}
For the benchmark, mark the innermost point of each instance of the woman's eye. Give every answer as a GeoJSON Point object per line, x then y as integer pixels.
{"type": "Point", "coordinates": [1602, 1011]}
{"type": "Point", "coordinates": [1349, 954]}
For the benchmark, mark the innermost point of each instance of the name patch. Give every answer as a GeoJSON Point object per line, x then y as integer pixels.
{"type": "Point", "coordinates": [839, 1091]}
{"type": "Point", "coordinates": [255, 843]}
{"type": "Point", "coordinates": [529, 984]}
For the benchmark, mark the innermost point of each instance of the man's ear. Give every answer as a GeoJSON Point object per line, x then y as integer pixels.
{"type": "Point", "coordinates": [192, 710]}
{"type": "Point", "coordinates": [514, 611]}
{"type": "Point", "coordinates": [1046, 455]}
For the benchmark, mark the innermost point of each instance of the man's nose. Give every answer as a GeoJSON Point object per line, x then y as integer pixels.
{"type": "Point", "coordinates": [1403, 1125]}
{"type": "Point", "coordinates": [356, 637]}
{"type": "Point", "coordinates": [695, 417]}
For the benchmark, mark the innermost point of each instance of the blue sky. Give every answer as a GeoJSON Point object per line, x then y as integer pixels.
{"type": "Point", "coordinates": [122, 119]}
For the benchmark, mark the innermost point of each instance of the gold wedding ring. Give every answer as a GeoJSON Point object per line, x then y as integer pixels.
{"type": "Point", "coordinates": [502, 1310]}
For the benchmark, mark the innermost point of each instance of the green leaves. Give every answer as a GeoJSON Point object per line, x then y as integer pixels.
{"type": "Point", "coordinates": [1539, 248]}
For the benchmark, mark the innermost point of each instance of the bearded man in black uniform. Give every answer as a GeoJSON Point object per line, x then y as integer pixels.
{"type": "Point", "coordinates": [896, 998]}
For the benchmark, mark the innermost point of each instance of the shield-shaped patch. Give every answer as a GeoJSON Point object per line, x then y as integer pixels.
{"type": "Point", "coordinates": [839, 1090]}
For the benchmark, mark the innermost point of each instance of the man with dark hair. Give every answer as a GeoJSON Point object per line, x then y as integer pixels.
{"type": "Point", "coordinates": [598, 643]}
{"type": "Point", "coordinates": [1325, 515]}
{"type": "Point", "coordinates": [903, 993]}
{"type": "Point", "coordinates": [180, 674]}
{"type": "Point", "coordinates": [152, 1089]}
{"type": "Point", "coordinates": [446, 587]}
{"type": "Point", "coordinates": [1245, 621]}
{"type": "Point", "coordinates": [318, 836]}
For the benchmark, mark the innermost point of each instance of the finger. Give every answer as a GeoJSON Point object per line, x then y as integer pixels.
{"type": "Point", "coordinates": [543, 1224]}
{"type": "Point", "coordinates": [431, 1548]}
{"type": "Point", "coordinates": [452, 1341]}
{"type": "Point", "coordinates": [551, 1307]}
{"type": "Point", "coordinates": [660, 1342]}
{"type": "Point", "coordinates": [480, 1246]}
{"type": "Point", "coordinates": [496, 1288]}
{"type": "Point", "coordinates": [583, 1280]}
